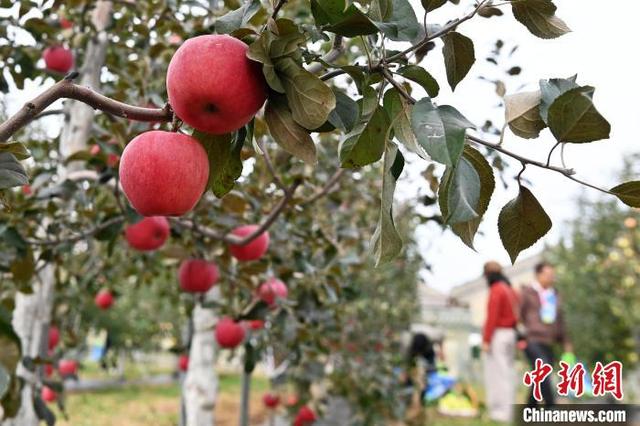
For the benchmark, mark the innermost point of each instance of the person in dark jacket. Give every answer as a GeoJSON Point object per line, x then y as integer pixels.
{"type": "Point", "coordinates": [541, 314]}
{"type": "Point", "coordinates": [499, 343]}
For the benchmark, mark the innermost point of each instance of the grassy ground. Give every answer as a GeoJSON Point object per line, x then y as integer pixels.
{"type": "Point", "coordinates": [157, 406]}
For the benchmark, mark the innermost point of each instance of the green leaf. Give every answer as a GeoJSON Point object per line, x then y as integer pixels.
{"type": "Point", "coordinates": [402, 25]}
{"type": "Point", "coordinates": [5, 381]}
{"type": "Point", "coordinates": [467, 230]}
{"type": "Point", "coordinates": [522, 222]}
{"type": "Point", "coordinates": [11, 400]}
{"type": "Point", "coordinates": [259, 51]}
{"type": "Point", "coordinates": [439, 130]}
{"type": "Point", "coordinates": [11, 347]}
{"type": "Point", "coordinates": [334, 16]}
{"type": "Point", "coordinates": [422, 77]}
{"type": "Point", "coordinates": [430, 5]}
{"type": "Point", "coordinates": [237, 18]}
{"type": "Point", "coordinates": [23, 268]}
{"type": "Point", "coordinates": [225, 164]}
{"type": "Point", "coordinates": [380, 10]}
{"type": "Point", "coordinates": [399, 112]}
{"type": "Point", "coordinates": [310, 99]}
{"type": "Point", "coordinates": [292, 137]}
{"type": "Point", "coordinates": [573, 118]}
{"type": "Point", "coordinates": [522, 114]}
{"type": "Point", "coordinates": [628, 193]}
{"type": "Point", "coordinates": [460, 192]}
{"type": "Point", "coordinates": [346, 113]}
{"type": "Point", "coordinates": [365, 146]}
{"type": "Point", "coordinates": [539, 16]}
{"type": "Point", "coordinates": [16, 148]}
{"type": "Point", "coordinates": [386, 243]}
{"type": "Point", "coordinates": [551, 89]}
{"type": "Point", "coordinates": [11, 171]}
{"type": "Point", "coordinates": [459, 56]}
{"type": "Point", "coordinates": [111, 232]}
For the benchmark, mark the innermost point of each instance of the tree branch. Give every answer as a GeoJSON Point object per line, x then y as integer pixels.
{"type": "Point", "coordinates": [332, 55]}
{"type": "Point", "coordinates": [229, 238]}
{"type": "Point", "coordinates": [81, 236]}
{"type": "Point", "coordinates": [447, 28]}
{"type": "Point", "coordinates": [69, 90]}
{"type": "Point", "coordinates": [269, 163]}
{"type": "Point", "coordinates": [333, 180]}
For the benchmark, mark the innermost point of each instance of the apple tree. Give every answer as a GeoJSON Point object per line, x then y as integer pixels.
{"type": "Point", "coordinates": [191, 95]}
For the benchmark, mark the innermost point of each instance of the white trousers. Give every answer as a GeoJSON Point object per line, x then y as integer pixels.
{"type": "Point", "coordinates": [500, 375]}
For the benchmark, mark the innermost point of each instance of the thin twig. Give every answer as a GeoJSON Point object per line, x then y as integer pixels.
{"type": "Point", "coordinates": [333, 180]}
{"type": "Point", "coordinates": [330, 56]}
{"type": "Point", "coordinates": [277, 8]}
{"type": "Point", "coordinates": [387, 75]}
{"type": "Point", "coordinates": [427, 38]}
{"type": "Point", "coordinates": [81, 236]}
{"type": "Point", "coordinates": [229, 238]}
{"type": "Point", "coordinates": [69, 90]}
{"type": "Point", "coordinates": [551, 153]}
{"type": "Point", "coordinates": [269, 164]}
{"type": "Point", "coordinates": [49, 112]}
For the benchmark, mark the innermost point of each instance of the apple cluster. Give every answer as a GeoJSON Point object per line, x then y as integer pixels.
{"type": "Point", "coordinates": [214, 88]}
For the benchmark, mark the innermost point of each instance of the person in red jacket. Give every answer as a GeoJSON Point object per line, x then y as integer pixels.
{"type": "Point", "coordinates": [499, 343]}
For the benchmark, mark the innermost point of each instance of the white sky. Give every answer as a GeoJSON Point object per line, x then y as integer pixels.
{"type": "Point", "coordinates": [601, 50]}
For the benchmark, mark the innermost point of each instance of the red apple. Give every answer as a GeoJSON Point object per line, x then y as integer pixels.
{"type": "Point", "coordinates": [65, 23]}
{"type": "Point", "coordinates": [271, 290]}
{"type": "Point", "coordinates": [270, 400]}
{"type": "Point", "coordinates": [104, 299]}
{"type": "Point", "coordinates": [47, 394]}
{"type": "Point", "coordinates": [148, 234]}
{"type": "Point", "coordinates": [58, 58]}
{"type": "Point", "coordinates": [229, 333]}
{"type": "Point", "coordinates": [48, 370]}
{"type": "Point", "coordinates": [305, 417]}
{"type": "Point", "coordinates": [164, 173]}
{"type": "Point", "coordinates": [183, 362]}
{"type": "Point", "coordinates": [197, 275]}
{"type": "Point", "coordinates": [213, 86]}
{"type": "Point", "coordinates": [255, 324]}
{"type": "Point", "coordinates": [26, 190]}
{"type": "Point", "coordinates": [67, 367]}
{"type": "Point", "coordinates": [292, 400]}
{"type": "Point", "coordinates": [253, 250]}
{"type": "Point", "coordinates": [112, 159]}
{"type": "Point", "coordinates": [54, 337]}
{"type": "Point", "coordinates": [95, 150]}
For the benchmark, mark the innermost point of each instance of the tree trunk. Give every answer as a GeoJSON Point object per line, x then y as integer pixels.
{"type": "Point", "coordinates": [32, 314]}
{"type": "Point", "coordinates": [200, 386]}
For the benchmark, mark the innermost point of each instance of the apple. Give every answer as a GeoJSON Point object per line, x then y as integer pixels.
{"type": "Point", "coordinates": [271, 290]}
{"type": "Point", "coordinates": [270, 400]}
{"type": "Point", "coordinates": [26, 190]}
{"type": "Point", "coordinates": [164, 173]}
{"type": "Point", "coordinates": [58, 58]}
{"type": "Point", "coordinates": [229, 333]}
{"type": "Point", "coordinates": [104, 299]}
{"type": "Point", "coordinates": [65, 23]}
{"type": "Point", "coordinates": [253, 250]}
{"type": "Point", "coordinates": [48, 370]}
{"type": "Point", "coordinates": [95, 150]}
{"type": "Point", "coordinates": [148, 234]}
{"type": "Point", "coordinates": [305, 417]}
{"type": "Point", "coordinates": [183, 362]}
{"type": "Point", "coordinates": [197, 275]}
{"type": "Point", "coordinates": [112, 159]}
{"type": "Point", "coordinates": [292, 400]}
{"type": "Point", "coordinates": [213, 86]}
{"type": "Point", "coordinates": [67, 367]}
{"type": "Point", "coordinates": [255, 324]}
{"type": "Point", "coordinates": [54, 337]}
{"type": "Point", "coordinates": [47, 394]}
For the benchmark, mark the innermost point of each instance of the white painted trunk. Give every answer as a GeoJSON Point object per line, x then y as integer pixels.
{"type": "Point", "coordinates": [200, 386]}
{"type": "Point", "coordinates": [32, 314]}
